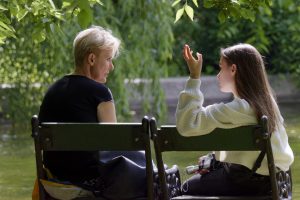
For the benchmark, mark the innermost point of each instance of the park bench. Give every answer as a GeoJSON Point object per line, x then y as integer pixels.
{"type": "Point", "coordinates": [246, 138]}
{"type": "Point", "coordinates": [91, 137]}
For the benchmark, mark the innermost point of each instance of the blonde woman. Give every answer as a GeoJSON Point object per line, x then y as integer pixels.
{"type": "Point", "coordinates": [83, 97]}
{"type": "Point", "coordinates": [242, 73]}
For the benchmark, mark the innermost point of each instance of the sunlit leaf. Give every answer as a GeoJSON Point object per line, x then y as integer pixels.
{"type": "Point", "coordinates": [84, 18]}
{"type": "Point", "coordinates": [66, 4]}
{"type": "Point", "coordinates": [39, 35]}
{"type": "Point", "coordinates": [13, 10]}
{"type": "Point", "coordinates": [179, 14]}
{"type": "Point", "coordinates": [189, 11]}
{"type": "Point", "coordinates": [6, 26]}
{"type": "Point", "coordinates": [235, 2]}
{"type": "Point", "coordinates": [96, 1]}
{"type": "Point", "coordinates": [52, 4]}
{"type": "Point", "coordinates": [4, 19]}
{"type": "Point", "coordinates": [196, 3]}
{"type": "Point", "coordinates": [100, 2]}
{"type": "Point", "coordinates": [6, 33]}
{"type": "Point", "coordinates": [2, 8]}
{"type": "Point", "coordinates": [175, 2]}
{"type": "Point", "coordinates": [21, 14]}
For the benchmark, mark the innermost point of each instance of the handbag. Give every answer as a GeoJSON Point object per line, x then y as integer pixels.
{"type": "Point", "coordinates": [173, 182]}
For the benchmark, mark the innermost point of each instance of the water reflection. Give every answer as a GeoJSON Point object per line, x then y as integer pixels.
{"type": "Point", "coordinates": [14, 142]}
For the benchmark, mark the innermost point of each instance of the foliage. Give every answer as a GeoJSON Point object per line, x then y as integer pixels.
{"type": "Point", "coordinates": [30, 66]}
{"type": "Point", "coordinates": [37, 41]}
{"type": "Point", "coordinates": [45, 14]}
{"type": "Point", "coordinates": [38, 51]}
{"type": "Point", "coordinates": [275, 33]}
{"type": "Point", "coordinates": [236, 9]}
{"type": "Point", "coordinates": [147, 46]}
{"type": "Point", "coordinates": [27, 68]}
{"type": "Point", "coordinates": [284, 52]}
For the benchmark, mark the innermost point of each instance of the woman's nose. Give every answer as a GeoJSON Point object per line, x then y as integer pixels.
{"type": "Point", "coordinates": [218, 75]}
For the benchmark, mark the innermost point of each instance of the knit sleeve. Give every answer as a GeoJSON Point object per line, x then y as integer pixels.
{"type": "Point", "coordinates": [193, 119]}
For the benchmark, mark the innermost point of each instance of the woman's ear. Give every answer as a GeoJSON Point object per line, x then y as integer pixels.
{"type": "Point", "coordinates": [233, 69]}
{"type": "Point", "coordinates": [91, 59]}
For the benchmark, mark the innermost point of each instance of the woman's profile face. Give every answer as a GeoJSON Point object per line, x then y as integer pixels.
{"type": "Point", "coordinates": [103, 65]}
{"type": "Point", "coordinates": [226, 76]}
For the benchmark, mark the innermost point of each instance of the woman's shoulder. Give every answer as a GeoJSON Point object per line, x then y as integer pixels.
{"type": "Point", "coordinates": [84, 81]}
{"type": "Point", "coordinates": [236, 107]}
{"type": "Point", "coordinates": [86, 86]}
{"type": "Point", "coordinates": [240, 104]}
{"type": "Point", "coordinates": [238, 111]}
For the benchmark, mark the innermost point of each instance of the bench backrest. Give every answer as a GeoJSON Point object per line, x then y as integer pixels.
{"type": "Point", "coordinates": [92, 137]}
{"type": "Point", "coordinates": [240, 139]}
{"type": "Point", "coordinates": [244, 138]}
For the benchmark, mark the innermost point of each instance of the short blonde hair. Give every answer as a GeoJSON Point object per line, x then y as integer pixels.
{"type": "Point", "coordinates": [92, 39]}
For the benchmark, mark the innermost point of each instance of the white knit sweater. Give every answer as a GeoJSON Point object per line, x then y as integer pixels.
{"type": "Point", "coordinates": [193, 119]}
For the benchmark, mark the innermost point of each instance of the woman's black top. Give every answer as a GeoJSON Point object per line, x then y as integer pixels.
{"type": "Point", "coordinates": [73, 98]}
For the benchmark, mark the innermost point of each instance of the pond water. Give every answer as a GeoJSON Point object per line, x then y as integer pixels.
{"type": "Point", "coordinates": [17, 165]}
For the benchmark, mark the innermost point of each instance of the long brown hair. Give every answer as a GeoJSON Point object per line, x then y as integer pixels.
{"type": "Point", "coordinates": [251, 81]}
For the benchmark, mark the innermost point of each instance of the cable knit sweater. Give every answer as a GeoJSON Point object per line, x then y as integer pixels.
{"type": "Point", "coordinates": [193, 119]}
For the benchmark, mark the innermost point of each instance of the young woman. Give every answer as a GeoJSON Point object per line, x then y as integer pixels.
{"type": "Point", "coordinates": [242, 73]}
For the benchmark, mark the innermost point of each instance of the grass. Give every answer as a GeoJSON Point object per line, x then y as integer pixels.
{"type": "Point", "coordinates": [17, 166]}
{"type": "Point", "coordinates": [294, 140]}
{"type": "Point", "coordinates": [16, 177]}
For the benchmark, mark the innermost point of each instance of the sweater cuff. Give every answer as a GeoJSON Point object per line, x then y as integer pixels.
{"type": "Point", "coordinates": [192, 84]}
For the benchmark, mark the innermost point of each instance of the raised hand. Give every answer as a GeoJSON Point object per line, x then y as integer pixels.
{"type": "Point", "coordinates": [195, 65]}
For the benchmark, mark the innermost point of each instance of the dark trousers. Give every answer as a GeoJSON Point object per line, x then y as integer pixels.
{"type": "Point", "coordinates": [228, 180]}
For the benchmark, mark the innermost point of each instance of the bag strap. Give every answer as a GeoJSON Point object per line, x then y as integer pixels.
{"type": "Point", "coordinates": [258, 161]}
{"type": "Point", "coordinates": [261, 156]}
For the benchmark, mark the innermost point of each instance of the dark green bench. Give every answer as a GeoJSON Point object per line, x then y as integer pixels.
{"type": "Point", "coordinates": [91, 137]}
{"type": "Point", "coordinates": [246, 138]}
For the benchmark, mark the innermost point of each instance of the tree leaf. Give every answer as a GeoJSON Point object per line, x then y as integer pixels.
{"type": "Point", "coordinates": [4, 19]}
{"type": "Point", "coordinates": [2, 8]}
{"type": "Point", "coordinates": [84, 5]}
{"type": "Point", "coordinates": [222, 16]}
{"type": "Point", "coordinates": [6, 33]}
{"type": "Point", "coordinates": [52, 4]}
{"type": "Point", "coordinates": [39, 34]}
{"type": "Point", "coordinates": [189, 11]}
{"type": "Point", "coordinates": [21, 14]}
{"type": "Point", "coordinates": [5, 26]}
{"type": "Point", "coordinates": [2, 39]}
{"type": "Point", "coordinates": [96, 1]}
{"type": "Point", "coordinates": [179, 14]}
{"type": "Point", "coordinates": [100, 2]}
{"type": "Point", "coordinates": [85, 18]}
{"type": "Point", "coordinates": [248, 14]}
{"type": "Point", "coordinates": [208, 4]}
{"type": "Point", "coordinates": [235, 2]}
{"type": "Point", "coordinates": [13, 9]}
{"type": "Point", "coordinates": [196, 3]}
{"type": "Point", "coordinates": [175, 3]}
